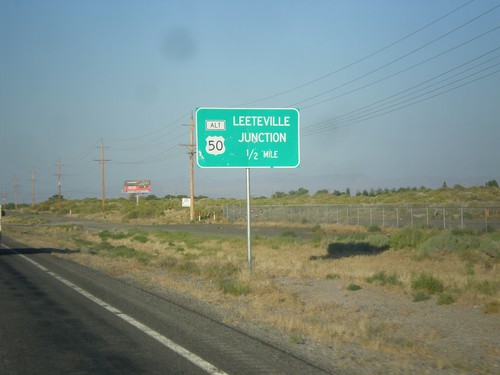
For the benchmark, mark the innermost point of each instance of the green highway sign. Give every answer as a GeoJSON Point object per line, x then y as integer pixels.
{"type": "Point", "coordinates": [247, 137]}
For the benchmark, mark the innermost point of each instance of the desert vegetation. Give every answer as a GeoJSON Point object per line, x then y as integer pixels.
{"type": "Point", "coordinates": [441, 267]}
{"type": "Point", "coordinates": [316, 285]}
{"type": "Point", "coordinates": [168, 209]}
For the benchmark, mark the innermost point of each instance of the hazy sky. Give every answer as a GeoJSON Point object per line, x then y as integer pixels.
{"type": "Point", "coordinates": [390, 93]}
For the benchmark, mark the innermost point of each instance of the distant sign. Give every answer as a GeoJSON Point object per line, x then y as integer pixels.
{"type": "Point", "coordinates": [137, 186]}
{"type": "Point", "coordinates": [186, 202]}
{"type": "Point", "coordinates": [247, 137]}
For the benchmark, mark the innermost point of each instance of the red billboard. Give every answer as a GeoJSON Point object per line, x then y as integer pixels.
{"type": "Point", "coordinates": [137, 186]}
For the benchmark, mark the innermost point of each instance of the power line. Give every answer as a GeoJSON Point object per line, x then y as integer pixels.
{"type": "Point", "coordinates": [154, 132]}
{"type": "Point", "coordinates": [400, 71]}
{"type": "Point", "coordinates": [357, 61]}
{"type": "Point", "coordinates": [385, 111]}
{"type": "Point", "coordinates": [377, 104]}
{"type": "Point", "coordinates": [406, 55]}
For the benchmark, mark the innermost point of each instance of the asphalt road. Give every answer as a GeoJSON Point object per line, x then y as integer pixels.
{"type": "Point", "coordinates": [57, 317]}
{"type": "Point", "coordinates": [239, 230]}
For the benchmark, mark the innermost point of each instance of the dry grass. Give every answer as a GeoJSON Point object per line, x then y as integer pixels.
{"type": "Point", "coordinates": [282, 266]}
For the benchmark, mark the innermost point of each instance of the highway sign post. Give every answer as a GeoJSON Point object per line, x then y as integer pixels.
{"type": "Point", "coordinates": [248, 138]}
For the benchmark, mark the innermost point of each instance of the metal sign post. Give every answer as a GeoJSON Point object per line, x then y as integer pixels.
{"type": "Point", "coordinates": [249, 227]}
{"type": "Point", "coordinates": [247, 138]}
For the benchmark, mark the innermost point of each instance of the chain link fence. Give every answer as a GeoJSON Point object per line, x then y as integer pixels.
{"type": "Point", "coordinates": [476, 218]}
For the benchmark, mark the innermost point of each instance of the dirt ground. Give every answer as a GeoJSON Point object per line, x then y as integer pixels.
{"type": "Point", "coordinates": [426, 338]}
{"type": "Point", "coordinates": [453, 339]}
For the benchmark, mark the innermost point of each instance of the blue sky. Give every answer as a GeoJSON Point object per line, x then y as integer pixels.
{"type": "Point", "coordinates": [390, 93]}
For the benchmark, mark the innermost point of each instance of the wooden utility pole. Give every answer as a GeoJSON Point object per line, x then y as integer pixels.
{"type": "Point", "coordinates": [103, 185]}
{"type": "Point", "coordinates": [59, 184]}
{"type": "Point", "coordinates": [192, 150]}
{"type": "Point", "coordinates": [15, 186]}
{"type": "Point", "coordinates": [102, 178]}
{"type": "Point", "coordinates": [33, 188]}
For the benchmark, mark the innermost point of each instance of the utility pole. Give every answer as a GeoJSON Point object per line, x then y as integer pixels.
{"type": "Point", "coordinates": [191, 152]}
{"type": "Point", "coordinates": [59, 184]}
{"type": "Point", "coordinates": [103, 185]}
{"type": "Point", "coordinates": [32, 188]}
{"type": "Point", "coordinates": [15, 186]}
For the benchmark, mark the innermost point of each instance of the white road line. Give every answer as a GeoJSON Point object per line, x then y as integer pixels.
{"type": "Point", "coordinates": [200, 362]}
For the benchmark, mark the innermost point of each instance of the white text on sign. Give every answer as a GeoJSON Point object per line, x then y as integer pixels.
{"type": "Point", "coordinates": [263, 138]}
{"type": "Point", "coordinates": [215, 125]}
{"type": "Point", "coordinates": [261, 120]}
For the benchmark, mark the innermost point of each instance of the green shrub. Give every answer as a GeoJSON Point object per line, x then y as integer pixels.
{"type": "Point", "coordinates": [450, 241]}
{"type": "Point", "coordinates": [134, 214]}
{"type": "Point", "coordinates": [353, 287]}
{"type": "Point", "coordinates": [379, 241]}
{"type": "Point", "coordinates": [297, 340]}
{"type": "Point", "coordinates": [172, 238]}
{"type": "Point", "coordinates": [461, 232]}
{"type": "Point", "coordinates": [332, 276]}
{"type": "Point", "coordinates": [189, 267]}
{"type": "Point", "coordinates": [374, 228]}
{"type": "Point", "coordinates": [491, 247]}
{"type": "Point", "coordinates": [428, 283]}
{"type": "Point", "coordinates": [486, 287]}
{"type": "Point", "coordinates": [106, 234]}
{"type": "Point", "coordinates": [445, 299]}
{"type": "Point", "coordinates": [232, 286]}
{"type": "Point", "coordinates": [419, 296]}
{"type": "Point", "coordinates": [142, 238]}
{"type": "Point", "coordinates": [407, 237]}
{"type": "Point", "coordinates": [225, 271]}
{"type": "Point", "coordinates": [440, 244]}
{"type": "Point", "coordinates": [382, 278]}
{"type": "Point", "coordinates": [103, 246]}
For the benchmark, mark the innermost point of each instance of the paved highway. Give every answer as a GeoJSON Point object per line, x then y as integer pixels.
{"type": "Point", "coordinates": [57, 317]}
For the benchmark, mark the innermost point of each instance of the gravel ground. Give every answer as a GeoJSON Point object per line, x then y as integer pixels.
{"type": "Point", "coordinates": [439, 339]}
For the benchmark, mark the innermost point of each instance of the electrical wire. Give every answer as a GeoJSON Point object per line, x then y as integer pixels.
{"type": "Point", "coordinates": [397, 96]}
{"type": "Point", "coordinates": [409, 102]}
{"type": "Point", "coordinates": [357, 61]}
{"type": "Point", "coordinates": [406, 55]}
{"type": "Point", "coordinates": [403, 70]}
